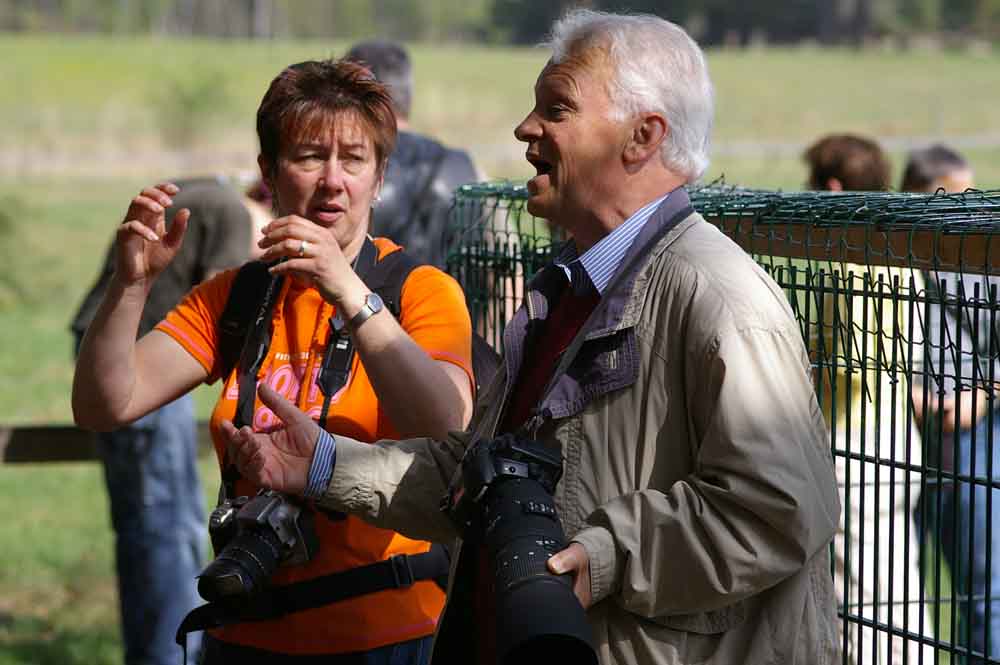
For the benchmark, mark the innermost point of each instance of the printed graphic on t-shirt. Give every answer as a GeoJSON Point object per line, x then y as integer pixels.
{"type": "Point", "coordinates": [284, 376]}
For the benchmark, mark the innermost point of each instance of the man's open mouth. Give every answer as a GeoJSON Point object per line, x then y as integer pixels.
{"type": "Point", "coordinates": [542, 167]}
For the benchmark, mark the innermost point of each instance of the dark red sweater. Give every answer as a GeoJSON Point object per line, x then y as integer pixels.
{"type": "Point", "coordinates": [537, 366]}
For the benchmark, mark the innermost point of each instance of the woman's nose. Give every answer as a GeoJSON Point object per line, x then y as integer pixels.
{"type": "Point", "coordinates": [331, 176]}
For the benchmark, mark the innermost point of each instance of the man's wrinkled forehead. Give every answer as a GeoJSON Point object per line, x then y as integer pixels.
{"type": "Point", "coordinates": [583, 61]}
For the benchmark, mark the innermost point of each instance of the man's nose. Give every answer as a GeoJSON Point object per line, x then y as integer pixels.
{"type": "Point", "coordinates": [528, 129]}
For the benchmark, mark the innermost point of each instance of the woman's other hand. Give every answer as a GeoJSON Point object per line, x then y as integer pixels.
{"type": "Point", "coordinates": [144, 245]}
{"type": "Point", "coordinates": [314, 255]}
{"type": "Point", "coordinates": [279, 459]}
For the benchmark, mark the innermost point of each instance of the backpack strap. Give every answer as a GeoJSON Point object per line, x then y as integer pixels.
{"type": "Point", "coordinates": [386, 278]}
{"type": "Point", "coordinates": [244, 337]}
{"type": "Point", "coordinates": [244, 301]}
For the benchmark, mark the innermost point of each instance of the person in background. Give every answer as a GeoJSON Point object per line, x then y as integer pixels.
{"type": "Point", "coordinates": [326, 129]}
{"type": "Point", "coordinates": [954, 398]}
{"type": "Point", "coordinates": [847, 162]}
{"type": "Point", "coordinates": [663, 363]}
{"type": "Point", "coordinates": [876, 551]}
{"type": "Point", "coordinates": [150, 469]}
{"type": "Point", "coordinates": [422, 174]}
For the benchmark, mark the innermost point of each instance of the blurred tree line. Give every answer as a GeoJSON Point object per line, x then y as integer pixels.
{"type": "Point", "coordinates": [712, 22]}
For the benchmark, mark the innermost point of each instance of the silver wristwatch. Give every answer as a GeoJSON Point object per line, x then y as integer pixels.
{"type": "Point", "coordinates": [373, 305]}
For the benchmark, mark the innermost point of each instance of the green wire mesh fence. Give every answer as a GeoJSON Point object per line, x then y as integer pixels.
{"type": "Point", "coordinates": [897, 301]}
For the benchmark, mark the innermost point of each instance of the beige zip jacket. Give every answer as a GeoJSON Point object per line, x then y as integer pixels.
{"type": "Point", "coordinates": [697, 468]}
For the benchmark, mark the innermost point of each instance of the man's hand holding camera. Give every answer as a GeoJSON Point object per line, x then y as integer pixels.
{"type": "Point", "coordinates": [280, 459]}
{"type": "Point", "coordinates": [575, 561]}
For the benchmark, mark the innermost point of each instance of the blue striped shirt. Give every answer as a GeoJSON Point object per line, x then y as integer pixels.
{"type": "Point", "coordinates": [321, 468]}
{"type": "Point", "coordinates": [602, 260]}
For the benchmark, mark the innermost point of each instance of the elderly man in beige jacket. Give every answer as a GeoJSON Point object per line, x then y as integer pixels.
{"type": "Point", "coordinates": [698, 490]}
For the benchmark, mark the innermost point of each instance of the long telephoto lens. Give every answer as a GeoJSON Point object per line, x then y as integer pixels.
{"type": "Point", "coordinates": [538, 616]}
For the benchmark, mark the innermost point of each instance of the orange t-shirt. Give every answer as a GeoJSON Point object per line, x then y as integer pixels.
{"type": "Point", "coordinates": [434, 314]}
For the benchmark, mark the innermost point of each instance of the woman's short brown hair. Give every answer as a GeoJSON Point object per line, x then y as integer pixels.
{"type": "Point", "coordinates": [304, 99]}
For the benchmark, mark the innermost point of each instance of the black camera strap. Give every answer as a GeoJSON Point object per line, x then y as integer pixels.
{"type": "Point", "coordinates": [339, 354]}
{"type": "Point", "coordinates": [397, 572]}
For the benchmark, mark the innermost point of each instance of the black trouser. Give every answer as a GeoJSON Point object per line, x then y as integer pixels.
{"type": "Point", "coordinates": [216, 652]}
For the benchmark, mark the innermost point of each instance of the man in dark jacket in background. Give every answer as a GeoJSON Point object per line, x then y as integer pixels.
{"type": "Point", "coordinates": [422, 174]}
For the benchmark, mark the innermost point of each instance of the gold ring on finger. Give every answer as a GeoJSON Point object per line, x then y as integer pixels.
{"type": "Point", "coordinates": [303, 245]}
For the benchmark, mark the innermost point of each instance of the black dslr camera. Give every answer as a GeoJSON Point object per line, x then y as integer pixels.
{"type": "Point", "coordinates": [251, 538]}
{"type": "Point", "coordinates": [502, 499]}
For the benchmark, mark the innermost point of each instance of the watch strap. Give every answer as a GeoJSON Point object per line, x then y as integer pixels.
{"type": "Point", "coordinates": [373, 305]}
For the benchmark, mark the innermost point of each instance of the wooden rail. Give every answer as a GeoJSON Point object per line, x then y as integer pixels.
{"type": "Point", "coordinates": [865, 244]}
{"type": "Point", "coordinates": [58, 443]}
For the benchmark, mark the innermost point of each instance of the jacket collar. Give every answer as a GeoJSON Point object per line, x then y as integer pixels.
{"type": "Point", "coordinates": [609, 315]}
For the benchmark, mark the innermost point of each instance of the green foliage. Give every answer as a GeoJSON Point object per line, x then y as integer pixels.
{"type": "Point", "coordinates": [12, 288]}
{"type": "Point", "coordinates": [923, 15]}
{"type": "Point", "coordinates": [186, 105]}
{"type": "Point", "coordinates": [504, 21]}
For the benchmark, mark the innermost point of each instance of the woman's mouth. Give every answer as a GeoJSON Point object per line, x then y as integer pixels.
{"type": "Point", "coordinates": [327, 213]}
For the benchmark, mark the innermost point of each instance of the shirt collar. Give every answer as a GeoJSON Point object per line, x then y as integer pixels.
{"type": "Point", "coordinates": [598, 264]}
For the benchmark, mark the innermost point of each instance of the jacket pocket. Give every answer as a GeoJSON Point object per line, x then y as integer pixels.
{"type": "Point", "coordinates": [706, 623]}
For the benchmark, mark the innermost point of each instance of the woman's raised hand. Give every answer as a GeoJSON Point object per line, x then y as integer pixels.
{"type": "Point", "coordinates": [144, 245]}
{"type": "Point", "coordinates": [311, 253]}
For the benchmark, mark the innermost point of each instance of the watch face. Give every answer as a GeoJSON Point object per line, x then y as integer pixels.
{"type": "Point", "coordinates": [373, 305]}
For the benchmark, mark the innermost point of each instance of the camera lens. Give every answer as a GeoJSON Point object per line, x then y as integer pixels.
{"type": "Point", "coordinates": [538, 615]}
{"type": "Point", "coordinates": [242, 567]}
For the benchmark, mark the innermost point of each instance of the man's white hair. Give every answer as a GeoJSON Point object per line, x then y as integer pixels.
{"type": "Point", "coordinates": [658, 68]}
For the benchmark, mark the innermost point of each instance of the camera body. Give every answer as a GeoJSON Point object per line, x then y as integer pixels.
{"type": "Point", "coordinates": [252, 536]}
{"type": "Point", "coordinates": [502, 500]}
{"type": "Point", "coordinates": [489, 462]}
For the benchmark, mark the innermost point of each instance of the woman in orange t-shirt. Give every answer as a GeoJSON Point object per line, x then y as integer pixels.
{"type": "Point", "coordinates": [326, 129]}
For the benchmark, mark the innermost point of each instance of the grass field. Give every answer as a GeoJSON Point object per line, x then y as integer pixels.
{"type": "Point", "coordinates": [58, 604]}
{"type": "Point", "coordinates": [87, 122]}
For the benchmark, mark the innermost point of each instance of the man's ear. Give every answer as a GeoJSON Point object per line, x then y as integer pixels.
{"type": "Point", "coordinates": [648, 134]}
